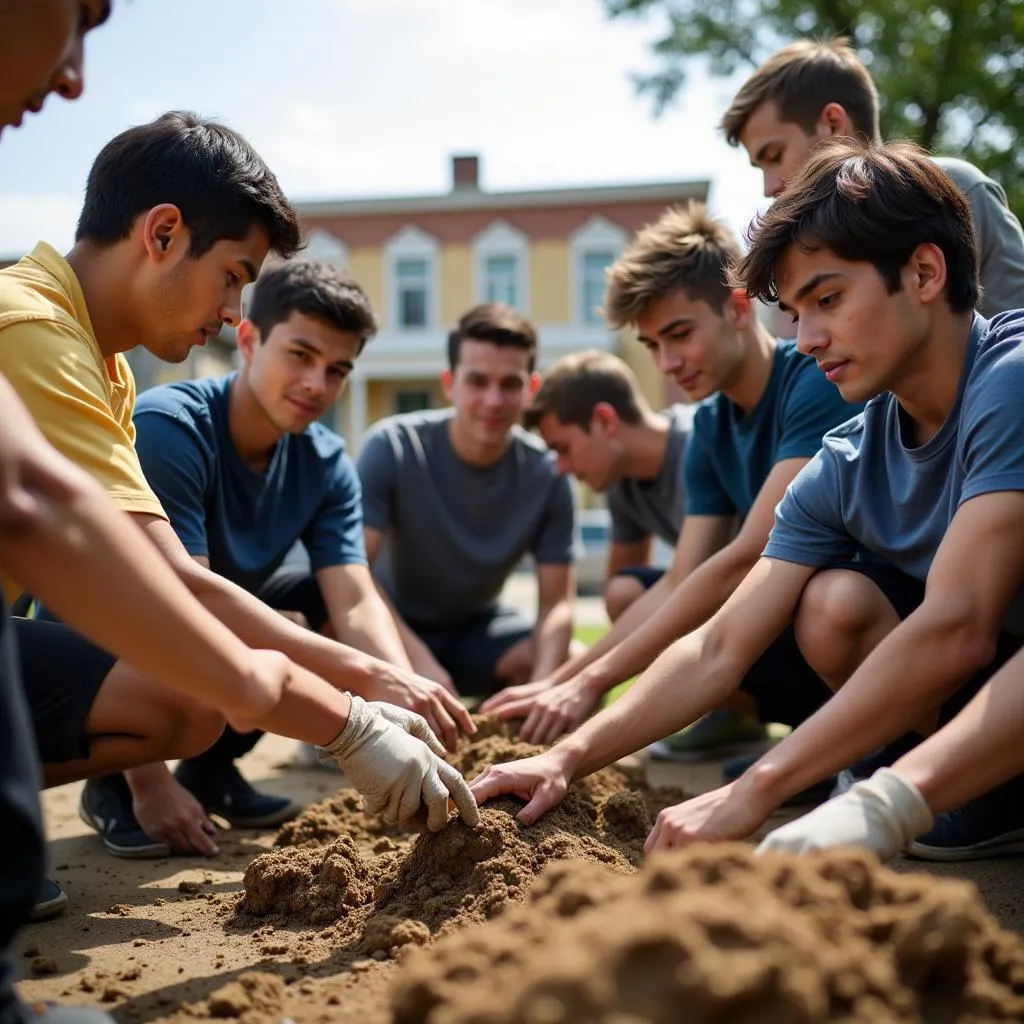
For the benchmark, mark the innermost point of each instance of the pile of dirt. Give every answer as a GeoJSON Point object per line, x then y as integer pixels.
{"type": "Point", "coordinates": [727, 936]}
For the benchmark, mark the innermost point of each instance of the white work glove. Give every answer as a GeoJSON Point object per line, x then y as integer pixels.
{"type": "Point", "coordinates": [392, 758]}
{"type": "Point", "coordinates": [881, 814]}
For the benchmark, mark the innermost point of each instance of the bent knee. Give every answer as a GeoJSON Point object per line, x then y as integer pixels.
{"type": "Point", "coordinates": [619, 593]}
{"type": "Point", "coordinates": [196, 727]}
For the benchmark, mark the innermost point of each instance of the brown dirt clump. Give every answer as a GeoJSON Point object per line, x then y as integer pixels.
{"type": "Point", "coordinates": [337, 816]}
{"type": "Point", "coordinates": [717, 934]}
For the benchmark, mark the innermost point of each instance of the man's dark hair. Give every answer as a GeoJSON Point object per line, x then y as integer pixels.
{"type": "Point", "coordinates": [315, 289]}
{"type": "Point", "coordinates": [801, 80]}
{"type": "Point", "coordinates": [871, 205]}
{"type": "Point", "coordinates": [497, 323]}
{"type": "Point", "coordinates": [216, 179]}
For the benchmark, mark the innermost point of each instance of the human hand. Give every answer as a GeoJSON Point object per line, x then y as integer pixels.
{"type": "Point", "coordinates": [541, 781]}
{"type": "Point", "coordinates": [425, 664]}
{"type": "Point", "coordinates": [168, 812]}
{"type": "Point", "coordinates": [444, 712]}
{"type": "Point", "coordinates": [552, 713]}
{"type": "Point", "coordinates": [881, 814]}
{"type": "Point", "coordinates": [728, 812]}
{"type": "Point", "coordinates": [393, 759]}
{"type": "Point", "coordinates": [512, 694]}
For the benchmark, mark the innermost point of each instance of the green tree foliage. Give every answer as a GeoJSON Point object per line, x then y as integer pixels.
{"type": "Point", "coordinates": [950, 73]}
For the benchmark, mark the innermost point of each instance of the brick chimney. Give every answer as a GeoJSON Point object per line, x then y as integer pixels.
{"type": "Point", "coordinates": [466, 173]}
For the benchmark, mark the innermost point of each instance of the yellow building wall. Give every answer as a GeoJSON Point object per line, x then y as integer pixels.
{"type": "Point", "coordinates": [382, 395]}
{"type": "Point", "coordinates": [366, 264]}
{"type": "Point", "coordinates": [549, 281]}
{"type": "Point", "coordinates": [456, 283]}
{"type": "Point", "coordinates": [639, 360]}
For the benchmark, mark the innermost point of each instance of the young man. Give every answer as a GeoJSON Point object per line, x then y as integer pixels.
{"type": "Point", "coordinates": [594, 417]}
{"type": "Point", "coordinates": [766, 411]}
{"type": "Point", "coordinates": [810, 91]}
{"type": "Point", "coordinates": [873, 252]}
{"type": "Point", "coordinates": [458, 497]}
{"type": "Point", "coordinates": [60, 535]}
{"type": "Point", "coordinates": [179, 215]}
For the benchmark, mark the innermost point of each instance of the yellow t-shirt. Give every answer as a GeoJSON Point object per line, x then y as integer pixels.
{"type": "Point", "coordinates": [82, 402]}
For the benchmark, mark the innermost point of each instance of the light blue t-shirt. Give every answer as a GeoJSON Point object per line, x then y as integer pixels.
{"type": "Point", "coordinates": [243, 521]}
{"type": "Point", "coordinates": [867, 490]}
{"type": "Point", "coordinates": [730, 453]}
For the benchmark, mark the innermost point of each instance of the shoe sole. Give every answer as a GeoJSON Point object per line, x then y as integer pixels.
{"type": "Point", "coordinates": [293, 810]}
{"type": "Point", "coordinates": [1008, 844]}
{"type": "Point", "coordinates": [49, 909]}
{"type": "Point", "coordinates": [155, 851]}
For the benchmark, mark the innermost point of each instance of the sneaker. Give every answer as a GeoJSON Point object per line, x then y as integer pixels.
{"type": "Point", "coordinates": [308, 755]}
{"type": "Point", "coordinates": [990, 826]}
{"type": "Point", "coordinates": [106, 806]}
{"type": "Point", "coordinates": [717, 731]}
{"type": "Point", "coordinates": [222, 790]}
{"type": "Point", "coordinates": [52, 1013]}
{"type": "Point", "coordinates": [819, 792]}
{"type": "Point", "coordinates": [51, 901]}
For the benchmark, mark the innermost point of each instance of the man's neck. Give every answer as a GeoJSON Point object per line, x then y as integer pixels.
{"type": "Point", "coordinates": [928, 387]}
{"type": "Point", "coordinates": [645, 445]}
{"type": "Point", "coordinates": [472, 453]}
{"type": "Point", "coordinates": [252, 433]}
{"type": "Point", "coordinates": [755, 370]}
{"type": "Point", "coordinates": [104, 277]}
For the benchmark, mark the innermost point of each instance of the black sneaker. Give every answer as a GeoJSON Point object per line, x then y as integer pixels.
{"type": "Point", "coordinates": [990, 826]}
{"type": "Point", "coordinates": [106, 806]}
{"type": "Point", "coordinates": [222, 790]}
{"type": "Point", "coordinates": [51, 901]}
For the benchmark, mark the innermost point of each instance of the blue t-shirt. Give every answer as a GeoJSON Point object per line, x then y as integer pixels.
{"type": "Point", "coordinates": [867, 490]}
{"type": "Point", "coordinates": [731, 453]}
{"type": "Point", "coordinates": [245, 522]}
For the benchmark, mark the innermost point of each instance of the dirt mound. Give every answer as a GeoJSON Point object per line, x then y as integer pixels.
{"type": "Point", "coordinates": [338, 816]}
{"type": "Point", "coordinates": [730, 937]}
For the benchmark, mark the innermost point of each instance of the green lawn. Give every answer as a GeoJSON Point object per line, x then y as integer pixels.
{"type": "Point", "coordinates": [590, 635]}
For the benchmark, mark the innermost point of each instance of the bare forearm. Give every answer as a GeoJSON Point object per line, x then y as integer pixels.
{"type": "Point", "coordinates": [309, 709]}
{"type": "Point", "coordinates": [370, 627]}
{"type": "Point", "coordinates": [552, 636]}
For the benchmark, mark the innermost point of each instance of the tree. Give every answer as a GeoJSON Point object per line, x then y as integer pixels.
{"type": "Point", "coordinates": [950, 73]}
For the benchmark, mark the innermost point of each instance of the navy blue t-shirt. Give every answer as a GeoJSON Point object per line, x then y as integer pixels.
{"type": "Point", "coordinates": [731, 453]}
{"type": "Point", "coordinates": [245, 522]}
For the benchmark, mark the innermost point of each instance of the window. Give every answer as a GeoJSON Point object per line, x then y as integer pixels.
{"type": "Point", "coordinates": [592, 285]}
{"type": "Point", "coordinates": [412, 401]}
{"type": "Point", "coordinates": [501, 274]}
{"type": "Point", "coordinates": [411, 284]}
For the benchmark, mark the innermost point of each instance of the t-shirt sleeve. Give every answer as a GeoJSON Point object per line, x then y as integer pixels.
{"type": "Point", "coordinates": [813, 406]}
{"type": "Point", "coordinates": [809, 527]}
{"type": "Point", "coordinates": [992, 432]}
{"type": "Point", "coordinates": [57, 375]}
{"type": "Point", "coordinates": [1001, 249]}
{"type": "Point", "coordinates": [554, 544]}
{"type": "Point", "coordinates": [178, 469]}
{"type": "Point", "coordinates": [625, 528]}
{"type": "Point", "coordinates": [705, 494]}
{"type": "Point", "coordinates": [335, 536]}
{"type": "Point", "coordinates": [377, 465]}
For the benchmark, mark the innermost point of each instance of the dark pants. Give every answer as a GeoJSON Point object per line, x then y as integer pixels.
{"type": "Point", "coordinates": [645, 575]}
{"type": "Point", "coordinates": [288, 590]}
{"type": "Point", "coordinates": [21, 853]}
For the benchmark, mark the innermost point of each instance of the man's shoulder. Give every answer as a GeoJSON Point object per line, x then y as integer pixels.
{"type": "Point", "coordinates": [324, 443]}
{"type": "Point", "coordinates": [187, 401]}
{"type": "Point", "coordinates": [1000, 345]}
{"type": "Point", "coordinates": [964, 174]}
{"type": "Point", "coordinates": [530, 443]}
{"type": "Point", "coordinates": [680, 417]}
{"type": "Point", "coordinates": [411, 424]}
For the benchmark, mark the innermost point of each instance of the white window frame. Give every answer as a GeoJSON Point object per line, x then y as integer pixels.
{"type": "Point", "coordinates": [325, 247]}
{"type": "Point", "coordinates": [499, 239]}
{"type": "Point", "coordinates": [412, 243]}
{"type": "Point", "coordinates": [597, 235]}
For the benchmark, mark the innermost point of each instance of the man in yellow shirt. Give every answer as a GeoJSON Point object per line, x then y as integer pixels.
{"type": "Point", "coordinates": [179, 215]}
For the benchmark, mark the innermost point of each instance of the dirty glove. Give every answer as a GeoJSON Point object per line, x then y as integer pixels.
{"type": "Point", "coordinates": [392, 758]}
{"type": "Point", "coordinates": [881, 814]}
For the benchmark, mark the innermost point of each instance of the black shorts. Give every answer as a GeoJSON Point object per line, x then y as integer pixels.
{"type": "Point", "coordinates": [295, 589]}
{"type": "Point", "coordinates": [470, 651]}
{"type": "Point", "coordinates": [646, 575]}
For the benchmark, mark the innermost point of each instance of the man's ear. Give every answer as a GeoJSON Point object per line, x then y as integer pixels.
{"type": "Point", "coordinates": [248, 339]}
{"type": "Point", "coordinates": [164, 235]}
{"type": "Point", "coordinates": [534, 384]}
{"type": "Point", "coordinates": [447, 380]}
{"type": "Point", "coordinates": [738, 309]}
{"type": "Point", "coordinates": [834, 122]}
{"type": "Point", "coordinates": [604, 418]}
{"type": "Point", "coordinates": [925, 272]}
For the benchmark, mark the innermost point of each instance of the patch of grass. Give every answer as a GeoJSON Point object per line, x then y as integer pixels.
{"type": "Point", "coordinates": [590, 635]}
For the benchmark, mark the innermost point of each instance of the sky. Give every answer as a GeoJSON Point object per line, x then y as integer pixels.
{"type": "Point", "coordinates": [355, 98]}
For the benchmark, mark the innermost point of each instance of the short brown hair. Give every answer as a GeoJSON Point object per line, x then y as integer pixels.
{"type": "Point", "coordinates": [873, 204]}
{"type": "Point", "coordinates": [497, 323]}
{"type": "Point", "coordinates": [576, 383]}
{"type": "Point", "coordinates": [685, 249]}
{"type": "Point", "coordinates": [801, 80]}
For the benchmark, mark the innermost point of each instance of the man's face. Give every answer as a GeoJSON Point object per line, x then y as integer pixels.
{"type": "Point", "coordinates": [41, 51]}
{"type": "Point", "coordinates": [297, 372]}
{"type": "Point", "coordinates": [700, 349]}
{"type": "Point", "coordinates": [187, 300]}
{"type": "Point", "coordinates": [489, 389]}
{"type": "Point", "coordinates": [589, 455]}
{"type": "Point", "coordinates": [778, 149]}
{"type": "Point", "coordinates": [863, 339]}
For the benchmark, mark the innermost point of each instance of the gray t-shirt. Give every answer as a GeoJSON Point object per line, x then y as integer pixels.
{"type": "Point", "coordinates": [654, 508]}
{"type": "Point", "coordinates": [454, 532]}
{"type": "Point", "coordinates": [867, 494]}
{"type": "Point", "coordinates": [1000, 237]}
